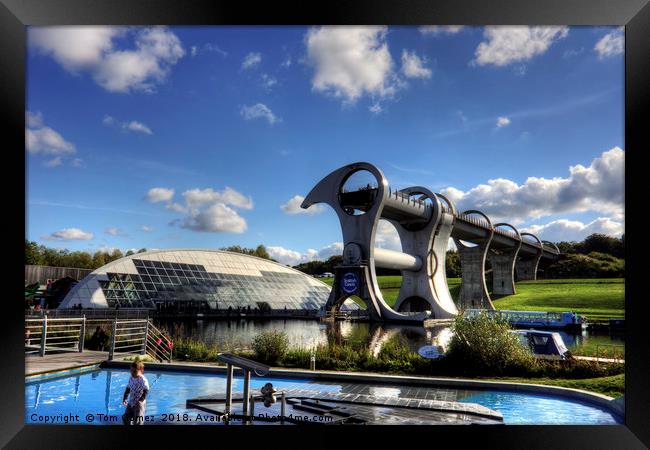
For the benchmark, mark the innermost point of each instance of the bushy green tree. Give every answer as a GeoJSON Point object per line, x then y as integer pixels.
{"type": "Point", "coordinates": [260, 251]}
{"type": "Point", "coordinates": [33, 253]}
{"type": "Point", "coordinates": [452, 264]}
{"type": "Point", "coordinates": [270, 346]}
{"type": "Point", "coordinates": [484, 345]}
{"type": "Point", "coordinates": [593, 265]}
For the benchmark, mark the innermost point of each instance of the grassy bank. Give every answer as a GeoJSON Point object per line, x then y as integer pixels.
{"type": "Point", "coordinates": [597, 299]}
{"type": "Point", "coordinates": [396, 358]}
{"type": "Point", "coordinates": [613, 386]}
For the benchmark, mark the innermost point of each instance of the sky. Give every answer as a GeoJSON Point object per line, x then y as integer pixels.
{"type": "Point", "coordinates": [206, 137]}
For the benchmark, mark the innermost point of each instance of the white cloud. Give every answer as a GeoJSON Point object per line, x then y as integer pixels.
{"type": "Point", "coordinates": [34, 120]}
{"type": "Point", "coordinates": [611, 44]}
{"type": "Point", "coordinates": [503, 122]}
{"type": "Point", "coordinates": [75, 47]}
{"type": "Point", "coordinates": [413, 66]}
{"type": "Point", "coordinates": [132, 125]}
{"type": "Point", "coordinates": [109, 120]}
{"type": "Point", "coordinates": [146, 228]}
{"type": "Point", "coordinates": [139, 127]}
{"type": "Point", "coordinates": [434, 30]}
{"type": "Point", "coordinates": [574, 230]}
{"type": "Point", "coordinates": [40, 139]}
{"type": "Point", "coordinates": [69, 234]}
{"type": "Point", "coordinates": [259, 111]}
{"type": "Point", "coordinates": [215, 218]}
{"type": "Point", "coordinates": [114, 231]}
{"type": "Point", "coordinates": [228, 196]}
{"type": "Point", "coordinates": [207, 48]}
{"type": "Point", "coordinates": [268, 81]}
{"type": "Point", "coordinates": [159, 194]}
{"type": "Point", "coordinates": [292, 206]}
{"type": "Point", "coordinates": [206, 210]}
{"type": "Point", "coordinates": [504, 45]}
{"type": "Point", "coordinates": [350, 61]}
{"type": "Point", "coordinates": [176, 207]}
{"type": "Point", "coordinates": [251, 60]}
{"type": "Point", "coordinates": [598, 188]}
{"type": "Point", "coordinates": [292, 257]}
{"type": "Point", "coordinates": [375, 108]}
{"type": "Point", "coordinates": [387, 236]}
{"type": "Point", "coordinates": [92, 49]}
{"type": "Point", "coordinates": [54, 162]}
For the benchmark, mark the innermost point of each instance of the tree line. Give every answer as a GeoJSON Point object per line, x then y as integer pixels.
{"type": "Point", "coordinates": [36, 254]}
{"type": "Point", "coordinates": [45, 256]}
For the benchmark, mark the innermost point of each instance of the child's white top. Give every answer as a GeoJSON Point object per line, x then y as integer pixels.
{"type": "Point", "coordinates": [137, 385]}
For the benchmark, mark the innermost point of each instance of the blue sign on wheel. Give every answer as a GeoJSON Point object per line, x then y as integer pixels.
{"type": "Point", "coordinates": [350, 283]}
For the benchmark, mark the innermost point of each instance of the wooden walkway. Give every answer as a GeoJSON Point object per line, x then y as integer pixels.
{"type": "Point", "coordinates": [61, 361]}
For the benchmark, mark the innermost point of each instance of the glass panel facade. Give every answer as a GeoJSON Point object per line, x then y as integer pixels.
{"type": "Point", "coordinates": [228, 282]}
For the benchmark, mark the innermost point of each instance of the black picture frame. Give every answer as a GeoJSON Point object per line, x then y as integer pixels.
{"type": "Point", "coordinates": [15, 15]}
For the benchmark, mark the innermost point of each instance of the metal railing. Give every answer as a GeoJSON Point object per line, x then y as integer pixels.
{"type": "Point", "coordinates": [139, 336]}
{"type": "Point", "coordinates": [128, 336]}
{"type": "Point", "coordinates": [44, 335]}
{"type": "Point", "coordinates": [92, 313]}
{"type": "Point", "coordinates": [407, 198]}
{"type": "Point", "coordinates": [158, 345]}
{"type": "Point", "coordinates": [614, 352]}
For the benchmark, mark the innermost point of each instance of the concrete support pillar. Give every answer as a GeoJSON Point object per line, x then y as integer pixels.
{"type": "Point", "coordinates": [503, 272]}
{"type": "Point", "coordinates": [503, 262]}
{"type": "Point", "coordinates": [473, 289]}
{"type": "Point", "coordinates": [527, 268]}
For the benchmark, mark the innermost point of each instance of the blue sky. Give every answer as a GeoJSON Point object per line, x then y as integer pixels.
{"type": "Point", "coordinates": [204, 136]}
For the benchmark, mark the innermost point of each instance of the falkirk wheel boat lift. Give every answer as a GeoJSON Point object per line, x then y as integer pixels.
{"type": "Point", "coordinates": [424, 221]}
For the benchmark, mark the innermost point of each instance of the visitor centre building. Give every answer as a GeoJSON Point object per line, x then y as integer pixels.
{"type": "Point", "coordinates": [187, 280]}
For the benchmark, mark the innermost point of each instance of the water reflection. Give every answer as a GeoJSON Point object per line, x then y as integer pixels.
{"type": "Point", "coordinates": [309, 333]}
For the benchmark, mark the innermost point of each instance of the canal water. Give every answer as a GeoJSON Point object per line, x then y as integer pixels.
{"type": "Point", "coordinates": [309, 333]}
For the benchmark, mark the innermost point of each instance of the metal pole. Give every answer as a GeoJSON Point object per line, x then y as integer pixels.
{"type": "Point", "coordinates": [146, 335]}
{"type": "Point", "coordinates": [111, 349]}
{"type": "Point", "coordinates": [247, 382]}
{"type": "Point", "coordinates": [82, 333]}
{"type": "Point", "coordinates": [283, 405]}
{"type": "Point", "coordinates": [228, 389]}
{"type": "Point", "coordinates": [43, 335]}
{"type": "Point", "coordinates": [252, 403]}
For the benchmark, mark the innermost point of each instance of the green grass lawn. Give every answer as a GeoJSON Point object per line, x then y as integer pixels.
{"type": "Point", "coordinates": [597, 299]}
{"type": "Point", "coordinates": [613, 386]}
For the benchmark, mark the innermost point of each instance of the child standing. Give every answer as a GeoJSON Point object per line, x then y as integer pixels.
{"type": "Point", "coordinates": [135, 395]}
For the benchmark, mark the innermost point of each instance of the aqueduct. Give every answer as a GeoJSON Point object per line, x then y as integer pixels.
{"type": "Point", "coordinates": [425, 221]}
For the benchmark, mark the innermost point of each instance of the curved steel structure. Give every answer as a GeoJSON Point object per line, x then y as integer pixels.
{"type": "Point", "coordinates": [425, 221]}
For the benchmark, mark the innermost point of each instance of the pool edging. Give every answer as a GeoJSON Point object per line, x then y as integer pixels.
{"type": "Point", "coordinates": [62, 371]}
{"type": "Point", "coordinates": [593, 398]}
